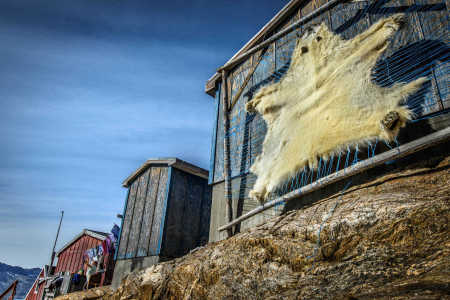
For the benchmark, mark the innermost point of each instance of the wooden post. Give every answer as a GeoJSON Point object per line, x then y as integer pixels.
{"type": "Point", "coordinates": [226, 152]}
{"type": "Point", "coordinates": [248, 77]}
{"type": "Point", "coordinates": [396, 153]}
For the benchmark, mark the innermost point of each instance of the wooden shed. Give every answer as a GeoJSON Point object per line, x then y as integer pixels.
{"type": "Point", "coordinates": [420, 49]}
{"type": "Point", "coordinates": [166, 214]}
{"type": "Point", "coordinates": [72, 255]}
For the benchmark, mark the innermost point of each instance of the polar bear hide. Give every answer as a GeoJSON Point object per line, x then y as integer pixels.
{"type": "Point", "coordinates": [327, 102]}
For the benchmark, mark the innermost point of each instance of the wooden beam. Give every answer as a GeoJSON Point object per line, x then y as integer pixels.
{"type": "Point", "coordinates": [396, 153]}
{"type": "Point", "coordinates": [308, 17]}
{"type": "Point", "coordinates": [247, 79]}
{"type": "Point", "coordinates": [260, 35]}
{"type": "Point", "coordinates": [226, 153]}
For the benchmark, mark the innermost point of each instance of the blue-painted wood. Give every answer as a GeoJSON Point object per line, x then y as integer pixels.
{"type": "Point", "coordinates": [121, 223]}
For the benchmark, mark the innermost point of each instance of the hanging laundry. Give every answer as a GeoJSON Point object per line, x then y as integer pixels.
{"type": "Point", "coordinates": [108, 244]}
{"type": "Point", "coordinates": [112, 238]}
{"type": "Point", "coordinates": [115, 231]}
{"type": "Point", "coordinates": [90, 253]}
{"type": "Point", "coordinates": [100, 250]}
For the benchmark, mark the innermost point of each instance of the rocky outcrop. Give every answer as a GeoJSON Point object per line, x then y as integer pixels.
{"type": "Point", "coordinates": [384, 239]}
{"type": "Point", "coordinates": [91, 294]}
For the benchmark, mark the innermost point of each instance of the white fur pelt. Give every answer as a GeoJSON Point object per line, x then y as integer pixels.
{"type": "Point", "coordinates": [327, 102]}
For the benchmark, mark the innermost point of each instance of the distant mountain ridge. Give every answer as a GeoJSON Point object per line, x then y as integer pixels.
{"type": "Point", "coordinates": [26, 278]}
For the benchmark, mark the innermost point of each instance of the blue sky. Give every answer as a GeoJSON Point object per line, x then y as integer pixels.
{"type": "Point", "coordinates": [89, 90]}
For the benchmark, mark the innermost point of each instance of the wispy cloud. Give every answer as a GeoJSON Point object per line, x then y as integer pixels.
{"type": "Point", "coordinates": [89, 90]}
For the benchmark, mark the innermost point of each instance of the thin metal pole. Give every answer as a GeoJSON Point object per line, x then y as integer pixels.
{"type": "Point", "coordinates": [226, 153]}
{"type": "Point", "coordinates": [52, 255]}
{"type": "Point", "coordinates": [396, 153]}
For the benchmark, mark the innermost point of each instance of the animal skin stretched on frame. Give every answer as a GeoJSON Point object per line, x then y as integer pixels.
{"type": "Point", "coordinates": [327, 102]}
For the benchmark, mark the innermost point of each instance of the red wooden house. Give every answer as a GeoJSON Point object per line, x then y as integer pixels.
{"type": "Point", "coordinates": [71, 259]}
{"type": "Point", "coordinates": [71, 256]}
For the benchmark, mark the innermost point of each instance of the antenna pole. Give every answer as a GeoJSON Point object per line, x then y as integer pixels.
{"type": "Point", "coordinates": [52, 256]}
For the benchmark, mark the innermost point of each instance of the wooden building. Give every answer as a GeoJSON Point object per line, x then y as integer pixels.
{"type": "Point", "coordinates": [417, 50]}
{"type": "Point", "coordinates": [39, 289]}
{"type": "Point", "coordinates": [72, 256]}
{"type": "Point", "coordinates": [166, 214]}
{"type": "Point", "coordinates": [70, 260]}
{"type": "Point", "coordinates": [36, 291]}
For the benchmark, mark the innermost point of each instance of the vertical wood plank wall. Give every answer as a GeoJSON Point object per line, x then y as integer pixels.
{"type": "Point", "coordinates": [426, 27]}
{"type": "Point", "coordinates": [71, 259]}
{"type": "Point", "coordinates": [146, 229]}
{"type": "Point", "coordinates": [158, 215]}
{"type": "Point", "coordinates": [188, 214]}
{"type": "Point", "coordinates": [142, 218]}
{"type": "Point", "coordinates": [183, 217]}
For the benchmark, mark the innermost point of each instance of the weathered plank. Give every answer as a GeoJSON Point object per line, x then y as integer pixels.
{"type": "Point", "coordinates": [396, 153]}
{"type": "Point", "coordinates": [226, 150]}
{"type": "Point", "coordinates": [350, 18]}
{"type": "Point", "coordinates": [205, 216]}
{"type": "Point", "coordinates": [432, 21]}
{"type": "Point", "coordinates": [138, 213]}
{"type": "Point", "coordinates": [219, 158]}
{"type": "Point", "coordinates": [157, 215]}
{"type": "Point", "coordinates": [192, 206]}
{"type": "Point", "coordinates": [173, 236]}
{"type": "Point", "coordinates": [147, 220]}
{"type": "Point", "coordinates": [247, 78]}
{"type": "Point", "coordinates": [127, 221]}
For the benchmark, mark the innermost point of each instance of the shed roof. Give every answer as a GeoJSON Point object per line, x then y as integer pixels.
{"type": "Point", "coordinates": [93, 233]}
{"type": "Point", "coordinates": [169, 161]}
{"type": "Point", "coordinates": [256, 39]}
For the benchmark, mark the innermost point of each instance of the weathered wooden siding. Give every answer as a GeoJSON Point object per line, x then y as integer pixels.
{"type": "Point", "coordinates": [142, 221]}
{"type": "Point", "coordinates": [135, 232]}
{"type": "Point", "coordinates": [150, 203]}
{"type": "Point", "coordinates": [188, 214]}
{"type": "Point", "coordinates": [159, 214]}
{"type": "Point", "coordinates": [127, 221]}
{"type": "Point", "coordinates": [71, 259]}
{"type": "Point", "coordinates": [419, 49]}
